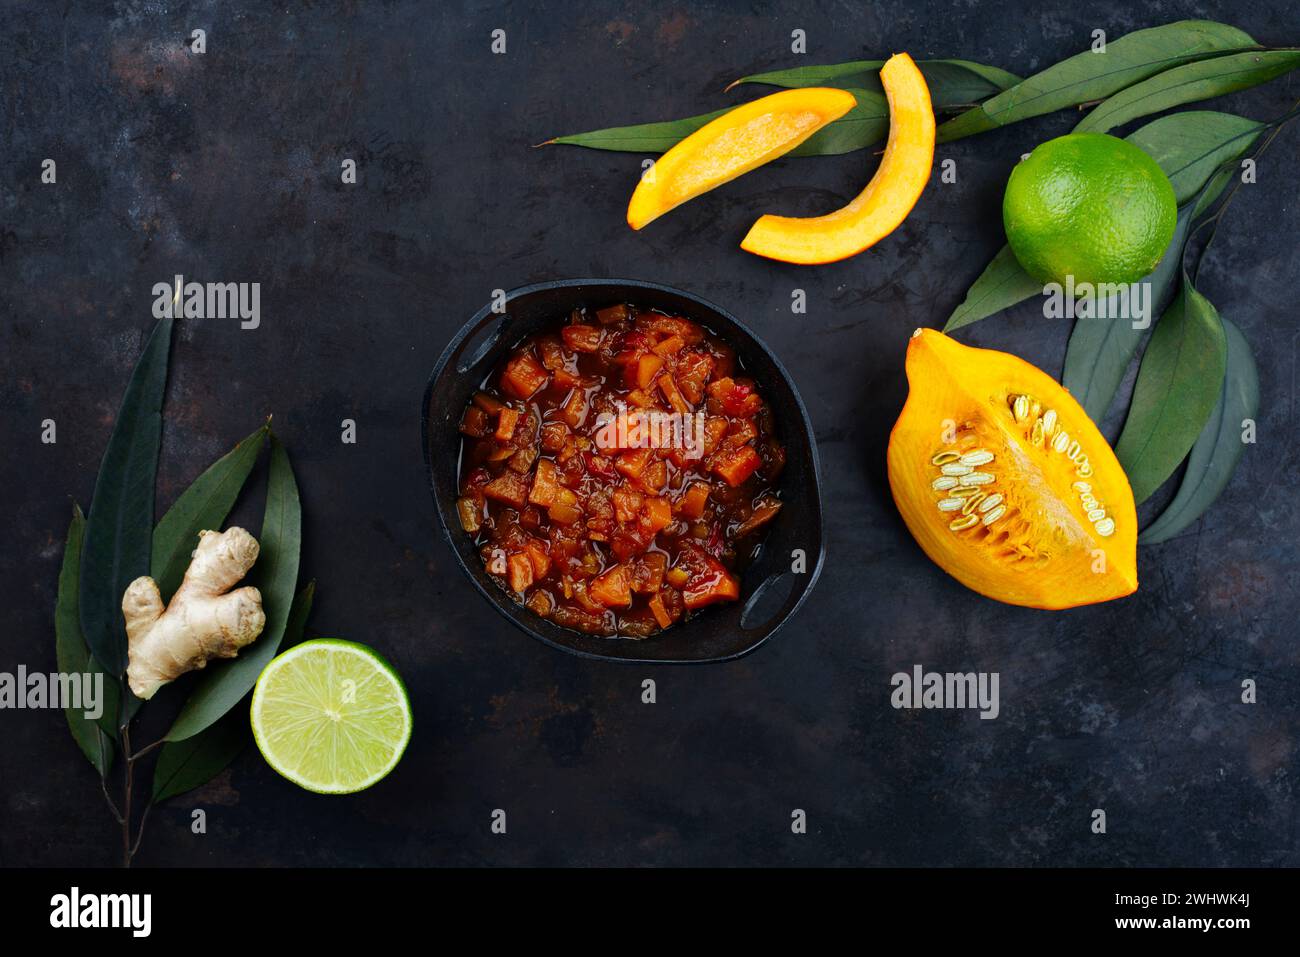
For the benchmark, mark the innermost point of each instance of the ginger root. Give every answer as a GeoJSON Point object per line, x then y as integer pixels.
{"type": "Point", "coordinates": [203, 621]}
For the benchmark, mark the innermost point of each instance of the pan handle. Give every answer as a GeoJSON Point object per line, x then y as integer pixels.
{"type": "Point", "coordinates": [479, 342]}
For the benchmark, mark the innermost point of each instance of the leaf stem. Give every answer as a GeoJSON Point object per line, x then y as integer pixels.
{"type": "Point", "coordinates": [129, 771]}
{"type": "Point", "coordinates": [123, 815]}
{"type": "Point", "coordinates": [147, 748]}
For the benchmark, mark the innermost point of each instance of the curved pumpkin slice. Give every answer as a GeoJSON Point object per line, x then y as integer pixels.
{"type": "Point", "coordinates": [735, 143]}
{"type": "Point", "coordinates": [889, 197]}
{"type": "Point", "coordinates": [1005, 482]}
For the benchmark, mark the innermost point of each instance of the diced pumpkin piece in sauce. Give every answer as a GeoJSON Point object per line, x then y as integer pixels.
{"type": "Point", "coordinates": [627, 504]}
{"type": "Point", "coordinates": [541, 603]}
{"type": "Point", "coordinates": [474, 423]}
{"type": "Point", "coordinates": [553, 436]}
{"type": "Point", "coordinates": [656, 515]}
{"type": "Point", "coordinates": [565, 379]}
{"type": "Point", "coordinates": [506, 422]}
{"type": "Point", "coordinates": [612, 314]}
{"type": "Point", "coordinates": [655, 476]}
{"type": "Point", "coordinates": [676, 401]}
{"type": "Point", "coordinates": [763, 513]}
{"type": "Point", "coordinates": [641, 398]}
{"type": "Point", "coordinates": [582, 338]}
{"type": "Point", "coordinates": [470, 514]}
{"type": "Point", "coordinates": [667, 347]}
{"type": "Point", "coordinates": [709, 582]}
{"type": "Point", "coordinates": [715, 428]}
{"type": "Point", "coordinates": [691, 504]}
{"type": "Point", "coordinates": [523, 376]}
{"type": "Point", "coordinates": [648, 575]}
{"type": "Point", "coordinates": [519, 571]}
{"type": "Point", "coordinates": [659, 608]}
{"type": "Point", "coordinates": [539, 559]}
{"type": "Point", "coordinates": [643, 371]}
{"type": "Point", "coordinates": [564, 510]}
{"type": "Point", "coordinates": [632, 464]}
{"type": "Point", "coordinates": [613, 589]}
{"type": "Point", "coordinates": [675, 326]}
{"type": "Point", "coordinates": [489, 404]}
{"type": "Point", "coordinates": [508, 487]}
{"type": "Point", "coordinates": [574, 410]}
{"type": "Point", "coordinates": [522, 461]}
{"type": "Point", "coordinates": [738, 398]}
{"type": "Point", "coordinates": [564, 514]}
{"type": "Point", "coordinates": [737, 465]}
{"type": "Point", "coordinates": [551, 352]}
{"type": "Point", "coordinates": [693, 370]}
{"type": "Point", "coordinates": [545, 484]}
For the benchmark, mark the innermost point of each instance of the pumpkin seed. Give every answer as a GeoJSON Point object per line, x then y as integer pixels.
{"type": "Point", "coordinates": [1106, 527]}
{"type": "Point", "coordinates": [963, 523]}
{"type": "Point", "coordinates": [943, 458]}
{"type": "Point", "coordinates": [1082, 487]}
{"type": "Point", "coordinates": [977, 457]}
{"type": "Point", "coordinates": [994, 515]}
{"type": "Point", "coordinates": [1061, 442]}
{"type": "Point", "coordinates": [943, 483]}
{"type": "Point", "coordinates": [1085, 469]}
{"type": "Point", "coordinates": [1036, 436]}
{"type": "Point", "coordinates": [950, 504]}
{"type": "Point", "coordinates": [971, 502]}
{"type": "Point", "coordinates": [1049, 422]}
{"type": "Point", "coordinates": [1020, 408]}
{"type": "Point", "coordinates": [977, 478]}
{"type": "Point", "coordinates": [956, 468]}
{"type": "Point", "coordinates": [991, 501]}
{"type": "Point", "coordinates": [1096, 514]}
{"type": "Point", "coordinates": [963, 491]}
{"type": "Point", "coordinates": [1073, 452]}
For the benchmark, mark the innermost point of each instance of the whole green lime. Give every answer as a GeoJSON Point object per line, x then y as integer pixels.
{"type": "Point", "coordinates": [1091, 206]}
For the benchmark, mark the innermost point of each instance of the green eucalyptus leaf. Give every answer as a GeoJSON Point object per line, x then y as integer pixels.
{"type": "Point", "coordinates": [641, 138]}
{"type": "Point", "coordinates": [1192, 145]}
{"type": "Point", "coordinates": [1003, 283]}
{"type": "Point", "coordinates": [224, 683]}
{"type": "Point", "coordinates": [204, 505]}
{"type": "Point", "coordinates": [860, 127]}
{"type": "Point", "coordinates": [74, 658]}
{"type": "Point", "coordinates": [185, 765]}
{"type": "Point", "coordinates": [1101, 349]}
{"type": "Point", "coordinates": [120, 527]}
{"type": "Point", "coordinates": [952, 83]}
{"type": "Point", "coordinates": [1219, 447]}
{"type": "Point", "coordinates": [1093, 75]}
{"type": "Point", "coordinates": [1189, 83]}
{"type": "Point", "coordinates": [1178, 384]}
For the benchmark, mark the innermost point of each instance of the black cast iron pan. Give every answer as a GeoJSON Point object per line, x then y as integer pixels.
{"type": "Point", "coordinates": [770, 591]}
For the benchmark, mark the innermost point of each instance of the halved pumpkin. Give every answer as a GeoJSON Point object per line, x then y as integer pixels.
{"type": "Point", "coordinates": [888, 198]}
{"type": "Point", "coordinates": [1006, 483]}
{"type": "Point", "coordinates": [732, 145]}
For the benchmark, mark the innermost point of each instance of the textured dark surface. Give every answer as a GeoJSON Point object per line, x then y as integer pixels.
{"type": "Point", "coordinates": [225, 166]}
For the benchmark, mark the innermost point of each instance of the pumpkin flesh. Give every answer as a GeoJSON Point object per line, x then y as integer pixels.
{"type": "Point", "coordinates": [1006, 483]}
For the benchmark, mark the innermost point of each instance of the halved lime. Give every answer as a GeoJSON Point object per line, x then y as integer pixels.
{"type": "Point", "coordinates": [332, 716]}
